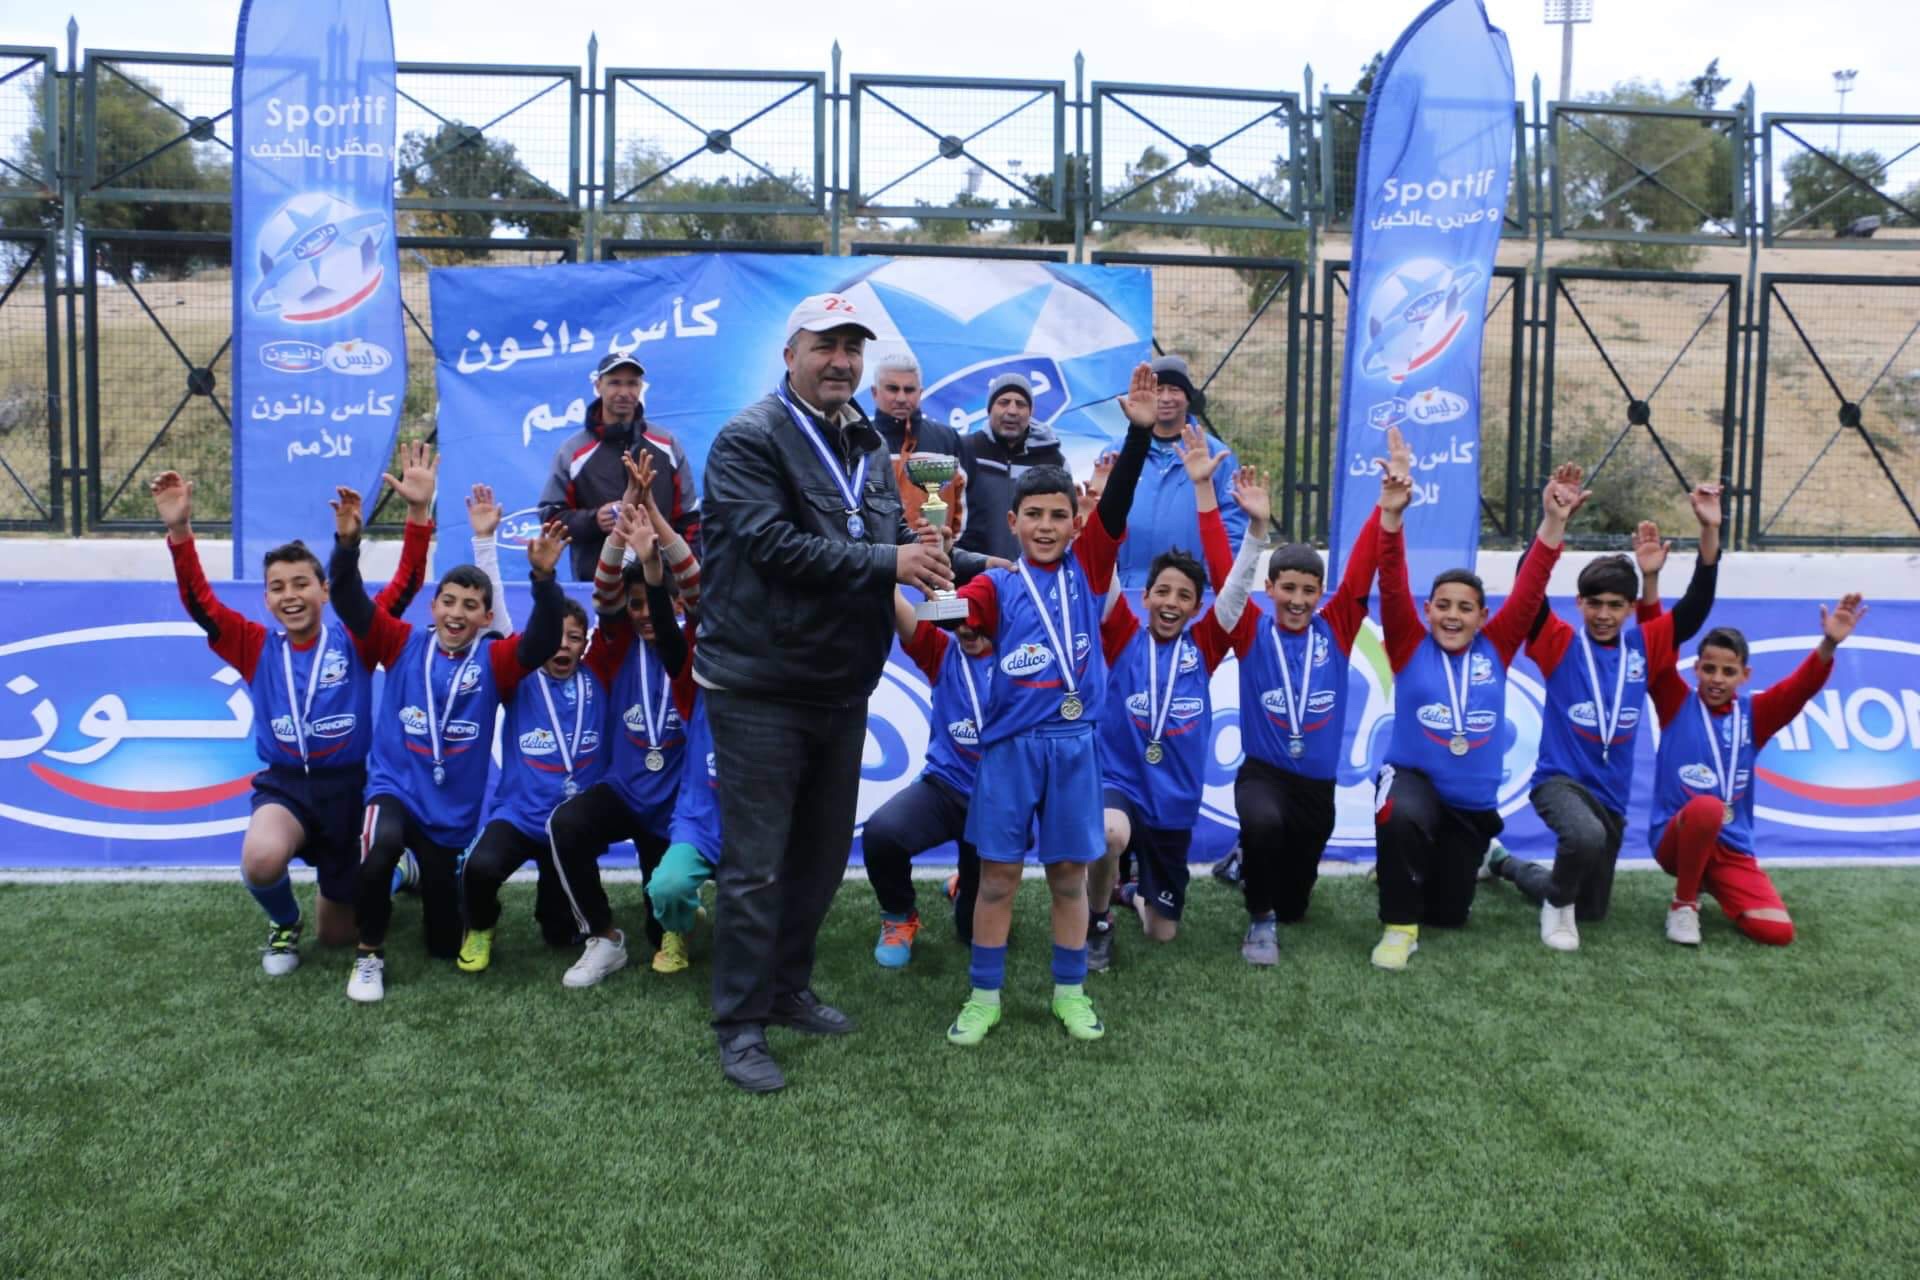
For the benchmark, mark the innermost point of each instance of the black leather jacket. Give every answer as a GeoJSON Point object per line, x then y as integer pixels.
{"type": "Point", "coordinates": [794, 608]}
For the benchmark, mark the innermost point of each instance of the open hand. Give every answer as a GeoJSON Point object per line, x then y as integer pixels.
{"type": "Point", "coordinates": [1648, 551]}
{"type": "Point", "coordinates": [639, 476]}
{"type": "Point", "coordinates": [543, 552]}
{"type": "Point", "coordinates": [1251, 493]}
{"type": "Point", "coordinates": [1705, 500]}
{"type": "Point", "coordinates": [634, 529]}
{"type": "Point", "coordinates": [419, 472]}
{"type": "Point", "coordinates": [1200, 461]}
{"type": "Point", "coordinates": [483, 512]}
{"type": "Point", "coordinates": [1563, 495]}
{"type": "Point", "coordinates": [1838, 624]}
{"type": "Point", "coordinates": [1142, 400]}
{"type": "Point", "coordinates": [347, 521]}
{"type": "Point", "coordinates": [1399, 459]}
{"type": "Point", "coordinates": [172, 500]}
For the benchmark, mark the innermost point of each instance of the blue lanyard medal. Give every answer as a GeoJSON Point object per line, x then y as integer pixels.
{"type": "Point", "coordinates": [849, 489]}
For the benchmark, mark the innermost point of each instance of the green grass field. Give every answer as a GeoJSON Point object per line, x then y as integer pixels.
{"type": "Point", "coordinates": [1498, 1110]}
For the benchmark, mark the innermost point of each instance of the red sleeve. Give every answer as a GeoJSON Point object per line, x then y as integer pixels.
{"type": "Point", "coordinates": [409, 574]}
{"type": "Point", "coordinates": [386, 637]}
{"type": "Point", "coordinates": [1647, 610]}
{"type": "Point", "coordinates": [504, 654]}
{"type": "Point", "coordinates": [927, 647]}
{"type": "Point", "coordinates": [1215, 548]}
{"type": "Point", "coordinates": [1657, 635]}
{"type": "Point", "coordinates": [236, 638]}
{"type": "Point", "coordinates": [1669, 693]}
{"type": "Point", "coordinates": [1508, 628]}
{"type": "Point", "coordinates": [1246, 632]}
{"type": "Point", "coordinates": [983, 603]}
{"type": "Point", "coordinates": [1214, 641]}
{"type": "Point", "coordinates": [1347, 611]}
{"type": "Point", "coordinates": [1116, 628]}
{"type": "Point", "coordinates": [608, 647]}
{"type": "Point", "coordinates": [1549, 645]}
{"type": "Point", "coordinates": [1774, 708]}
{"type": "Point", "coordinates": [1098, 551]}
{"type": "Point", "coordinates": [1398, 617]}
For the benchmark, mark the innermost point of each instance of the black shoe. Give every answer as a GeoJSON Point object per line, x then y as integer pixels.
{"type": "Point", "coordinates": [1099, 945]}
{"type": "Point", "coordinates": [804, 1011]}
{"type": "Point", "coordinates": [747, 1063]}
{"type": "Point", "coordinates": [1227, 870]}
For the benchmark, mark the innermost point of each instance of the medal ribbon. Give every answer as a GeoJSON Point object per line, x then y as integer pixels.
{"type": "Point", "coordinates": [1297, 712]}
{"type": "Point", "coordinates": [656, 725]}
{"type": "Point", "coordinates": [849, 489]}
{"type": "Point", "coordinates": [1066, 621]}
{"type": "Point", "coordinates": [1724, 773]}
{"type": "Point", "coordinates": [568, 750]}
{"type": "Point", "coordinates": [437, 723]}
{"type": "Point", "coordinates": [302, 718]}
{"type": "Point", "coordinates": [1158, 707]}
{"type": "Point", "coordinates": [1609, 725]}
{"type": "Point", "coordinates": [1456, 701]}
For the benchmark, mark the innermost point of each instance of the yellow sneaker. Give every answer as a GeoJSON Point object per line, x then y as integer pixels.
{"type": "Point", "coordinates": [476, 951]}
{"type": "Point", "coordinates": [672, 955]}
{"type": "Point", "coordinates": [1396, 944]}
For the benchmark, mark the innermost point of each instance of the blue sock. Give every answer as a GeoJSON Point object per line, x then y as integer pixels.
{"type": "Point", "coordinates": [277, 901]}
{"type": "Point", "coordinates": [988, 971]}
{"type": "Point", "coordinates": [1069, 965]}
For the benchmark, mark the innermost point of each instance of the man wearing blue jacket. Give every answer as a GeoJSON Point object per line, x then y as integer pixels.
{"type": "Point", "coordinates": [1163, 510]}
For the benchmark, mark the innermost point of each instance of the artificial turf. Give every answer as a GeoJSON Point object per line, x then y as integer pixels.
{"type": "Point", "coordinates": [1635, 1110]}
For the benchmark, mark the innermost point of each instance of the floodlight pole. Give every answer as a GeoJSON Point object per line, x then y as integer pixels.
{"type": "Point", "coordinates": [1566, 62]}
{"type": "Point", "coordinates": [1842, 85]}
{"type": "Point", "coordinates": [1565, 13]}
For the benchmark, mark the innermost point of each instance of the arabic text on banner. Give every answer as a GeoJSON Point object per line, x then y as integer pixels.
{"type": "Point", "coordinates": [319, 352]}
{"type": "Point", "coordinates": [1436, 151]}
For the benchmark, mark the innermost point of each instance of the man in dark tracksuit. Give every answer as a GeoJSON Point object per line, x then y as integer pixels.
{"type": "Point", "coordinates": [995, 457]}
{"type": "Point", "coordinates": [588, 477]}
{"type": "Point", "coordinates": [806, 540]}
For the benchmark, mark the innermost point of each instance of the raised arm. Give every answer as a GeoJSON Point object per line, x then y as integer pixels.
{"type": "Point", "coordinates": [1650, 554]}
{"type": "Point", "coordinates": [236, 638]}
{"type": "Point", "coordinates": [518, 655]}
{"type": "Point", "coordinates": [1775, 707]}
{"type": "Point", "coordinates": [1691, 613]}
{"type": "Point", "coordinates": [483, 516]}
{"type": "Point", "coordinates": [378, 636]}
{"type": "Point", "coordinates": [1346, 610]}
{"type": "Point", "coordinates": [1399, 618]}
{"type": "Point", "coordinates": [1510, 626]}
{"type": "Point", "coordinates": [1216, 546]}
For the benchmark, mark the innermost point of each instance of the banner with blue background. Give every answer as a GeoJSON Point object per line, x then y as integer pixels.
{"type": "Point", "coordinates": [130, 745]}
{"type": "Point", "coordinates": [515, 349]}
{"type": "Point", "coordinates": [1436, 151]}
{"type": "Point", "coordinates": [319, 356]}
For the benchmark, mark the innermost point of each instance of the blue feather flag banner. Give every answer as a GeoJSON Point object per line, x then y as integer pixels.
{"type": "Point", "coordinates": [1436, 153]}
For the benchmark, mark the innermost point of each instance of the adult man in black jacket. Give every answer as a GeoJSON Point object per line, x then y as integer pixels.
{"type": "Point", "coordinates": [805, 540]}
{"type": "Point", "coordinates": [588, 477]}
{"type": "Point", "coordinates": [995, 457]}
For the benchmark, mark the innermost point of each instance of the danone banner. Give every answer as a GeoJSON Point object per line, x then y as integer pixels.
{"type": "Point", "coordinates": [515, 349]}
{"type": "Point", "coordinates": [130, 745]}
{"type": "Point", "coordinates": [1436, 151]}
{"type": "Point", "coordinates": [319, 356]}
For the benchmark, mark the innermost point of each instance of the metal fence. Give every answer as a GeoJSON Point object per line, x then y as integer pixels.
{"type": "Point", "coordinates": [1633, 324]}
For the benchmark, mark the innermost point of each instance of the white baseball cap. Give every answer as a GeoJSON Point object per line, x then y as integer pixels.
{"type": "Point", "coordinates": [824, 311]}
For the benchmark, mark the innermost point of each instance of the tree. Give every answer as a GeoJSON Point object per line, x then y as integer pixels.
{"type": "Point", "coordinates": [643, 161]}
{"type": "Point", "coordinates": [1705, 88]}
{"type": "Point", "coordinates": [955, 230]}
{"type": "Point", "coordinates": [1820, 195]}
{"type": "Point", "coordinates": [1166, 196]}
{"type": "Point", "coordinates": [1053, 230]}
{"type": "Point", "coordinates": [135, 131]}
{"type": "Point", "coordinates": [459, 162]}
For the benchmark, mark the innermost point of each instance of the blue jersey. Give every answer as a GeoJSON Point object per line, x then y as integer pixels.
{"type": "Point", "coordinates": [1687, 767]}
{"type": "Point", "coordinates": [1423, 721]}
{"type": "Point", "coordinates": [1319, 693]}
{"type": "Point", "coordinates": [1030, 688]}
{"type": "Point", "coordinates": [961, 693]}
{"type": "Point", "coordinates": [331, 694]}
{"type": "Point", "coordinates": [540, 740]}
{"type": "Point", "coordinates": [436, 700]}
{"type": "Point", "coordinates": [1574, 743]}
{"type": "Point", "coordinates": [645, 687]}
{"type": "Point", "coordinates": [1166, 789]}
{"type": "Point", "coordinates": [696, 810]}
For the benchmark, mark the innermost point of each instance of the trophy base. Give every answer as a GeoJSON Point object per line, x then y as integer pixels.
{"type": "Point", "coordinates": [942, 611]}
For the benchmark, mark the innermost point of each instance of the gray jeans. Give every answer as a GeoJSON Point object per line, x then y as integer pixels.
{"type": "Point", "coordinates": [1588, 836]}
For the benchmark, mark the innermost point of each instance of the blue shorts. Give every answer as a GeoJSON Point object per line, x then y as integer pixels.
{"type": "Point", "coordinates": [1040, 790]}
{"type": "Point", "coordinates": [1161, 854]}
{"type": "Point", "coordinates": [327, 803]}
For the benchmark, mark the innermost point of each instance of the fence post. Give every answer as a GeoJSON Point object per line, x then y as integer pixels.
{"type": "Point", "coordinates": [69, 178]}
{"type": "Point", "coordinates": [833, 191]}
{"type": "Point", "coordinates": [1079, 178]}
{"type": "Point", "coordinates": [1735, 513]}
{"type": "Point", "coordinates": [590, 223]}
{"type": "Point", "coordinates": [1543, 164]}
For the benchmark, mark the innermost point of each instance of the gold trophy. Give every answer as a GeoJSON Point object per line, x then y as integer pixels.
{"type": "Point", "coordinates": [930, 471]}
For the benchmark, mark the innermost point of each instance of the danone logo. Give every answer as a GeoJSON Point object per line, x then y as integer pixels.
{"type": "Point", "coordinates": [1027, 659]}
{"type": "Point", "coordinates": [332, 726]}
{"type": "Point", "coordinates": [518, 528]}
{"type": "Point", "coordinates": [102, 736]}
{"type": "Point", "coordinates": [290, 355]}
{"type": "Point", "coordinates": [1180, 709]}
{"type": "Point", "coordinates": [357, 358]}
{"type": "Point", "coordinates": [1414, 315]}
{"type": "Point", "coordinates": [1850, 761]}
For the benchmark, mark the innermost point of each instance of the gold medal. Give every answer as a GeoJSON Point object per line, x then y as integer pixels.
{"type": "Point", "coordinates": [1155, 753]}
{"type": "Point", "coordinates": [1726, 815]}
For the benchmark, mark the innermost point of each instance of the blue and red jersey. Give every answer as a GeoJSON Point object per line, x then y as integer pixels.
{"type": "Point", "coordinates": [961, 687]}
{"type": "Point", "coordinates": [554, 732]}
{"type": "Point", "coordinates": [1593, 716]}
{"type": "Point", "coordinates": [639, 684]}
{"type": "Point", "coordinates": [696, 809]}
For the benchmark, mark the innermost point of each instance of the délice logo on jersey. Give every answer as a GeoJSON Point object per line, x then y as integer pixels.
{"type": "Point", "coordinates": [125, 732]}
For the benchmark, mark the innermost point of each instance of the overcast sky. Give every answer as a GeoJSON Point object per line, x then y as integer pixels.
{"type": "Point", "coordinates": [1787, 48]}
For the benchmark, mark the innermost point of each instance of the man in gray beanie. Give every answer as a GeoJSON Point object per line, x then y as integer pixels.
{"type": "Point", "coordinates": [995, 457]}
{"type": "Point", "coordinates": [1163, 511]}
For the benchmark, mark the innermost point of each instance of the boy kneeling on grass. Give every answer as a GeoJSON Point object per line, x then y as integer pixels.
{"type": "Point", "coordinates": [1436, 806]}
{"type": "Point", "coordinates": [1038, 761]}
{"type": "Point", "coordinates": [1701, 828]}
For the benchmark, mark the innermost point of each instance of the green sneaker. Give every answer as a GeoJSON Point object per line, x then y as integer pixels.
{"type": "Point", "coordinates": [977, 1017]}
{"type": "Point", "coordinates": [1076, 1013]}
{"type": "Point", "coordinates": [476, 951]}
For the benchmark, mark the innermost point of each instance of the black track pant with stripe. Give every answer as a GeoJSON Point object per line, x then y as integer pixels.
{"type": "Point", "coordinates": [579, 831]}
{"type": "Point", "coordinates": [501, 850]}
{"type": "Point", "coordinates": [387, 831]}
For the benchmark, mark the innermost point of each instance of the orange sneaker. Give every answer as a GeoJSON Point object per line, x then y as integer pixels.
{"type": "Point", "coordinates": [897, 933]}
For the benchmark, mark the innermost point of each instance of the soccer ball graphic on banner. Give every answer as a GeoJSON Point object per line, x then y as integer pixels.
{"type": "Point", "coordinates": [1414, 315]}
{"type": "Point", "coordinates": [318, 258]}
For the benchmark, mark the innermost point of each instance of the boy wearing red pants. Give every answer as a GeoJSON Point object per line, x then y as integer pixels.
{"type": "Point", "coordinates": [1702, 823]}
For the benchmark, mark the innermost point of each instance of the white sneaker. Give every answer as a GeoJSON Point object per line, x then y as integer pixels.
{"type": "Point", "coordinates": [368, 984]}
{"type": "Point", "coordinates": [1557, 927]}
{"type": "Point", "coordinates": [1683, 926]}
{"type": "Point", "coordinates": [281, 955]}
{"type": "Point", "coordinates": [602, 957]}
